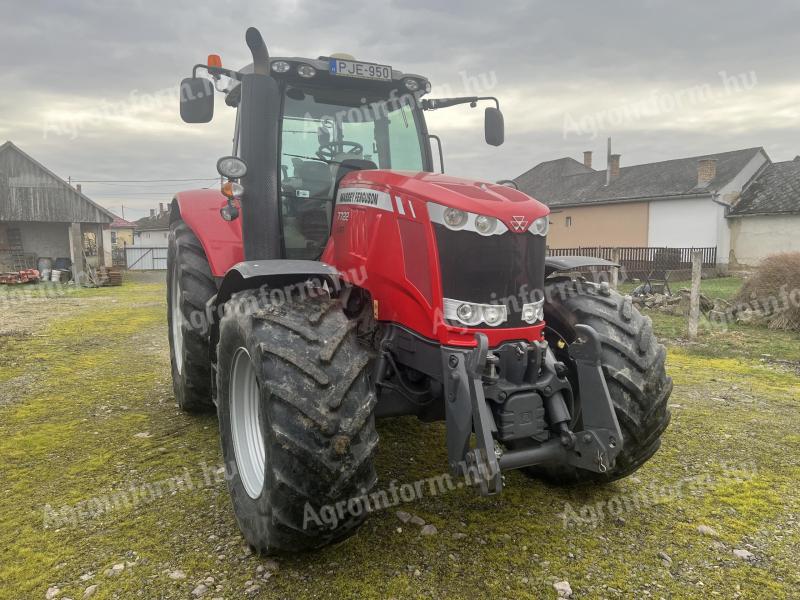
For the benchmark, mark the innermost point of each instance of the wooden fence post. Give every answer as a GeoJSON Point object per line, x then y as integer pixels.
{"type": "Point", "coordinates": [615, 270]}
{"type": "Point", "coordinates": [694, 300]}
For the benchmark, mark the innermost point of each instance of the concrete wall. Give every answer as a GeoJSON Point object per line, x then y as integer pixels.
{"type": "Point", "coordinates": [623, 224]}
{"type": "Point", "coordinates": [151, 239]}
{"type": "Point", "coordinates": [108, 257]}
{"type": "Point", "coordinates": [754, 238]}
{"type": "Point", "coordinates": [42, 239]}
{"type": "Point", "coordinates": [683, 223]}
{"type": "Point", "coordinates": [729, 194]}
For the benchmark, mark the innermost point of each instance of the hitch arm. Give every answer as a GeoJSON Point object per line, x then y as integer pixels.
{"type": "Point", "coordinates": [601, 439]}
{"type": "Point", "coordinates": [467, 412]}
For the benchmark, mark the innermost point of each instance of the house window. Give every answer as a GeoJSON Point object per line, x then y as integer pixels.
{"type": "Point", "coordinates": [113, 237]}
{"type": "Point", "coordinates": [568, 222]}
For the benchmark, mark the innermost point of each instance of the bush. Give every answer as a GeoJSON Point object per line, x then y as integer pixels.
{"type": "Point", "coordinates": [773, 291]}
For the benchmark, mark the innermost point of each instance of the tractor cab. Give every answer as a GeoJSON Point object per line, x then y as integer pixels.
{"type": "Point", "coordinates": [336, 115]}
{"type": "Point", "coordinates": [332, 127]}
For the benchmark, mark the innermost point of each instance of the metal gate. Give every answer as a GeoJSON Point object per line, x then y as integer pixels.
{"type": "Point", "coordinates": [139, 258]}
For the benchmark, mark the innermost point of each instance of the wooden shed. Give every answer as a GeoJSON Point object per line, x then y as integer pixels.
{"type": "Point", "coordinates": [42, 216]}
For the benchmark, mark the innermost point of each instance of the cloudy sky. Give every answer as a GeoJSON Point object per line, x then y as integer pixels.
{"type": "Point", "coordinates": [90, 86]}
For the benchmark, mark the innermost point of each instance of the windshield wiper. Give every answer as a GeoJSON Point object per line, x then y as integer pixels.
{"type": "Point", "coordinates": [325, 160]}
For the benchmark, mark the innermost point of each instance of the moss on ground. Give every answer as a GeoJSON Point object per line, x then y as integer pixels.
{"type": "Point", "coordinates": [100, 422]}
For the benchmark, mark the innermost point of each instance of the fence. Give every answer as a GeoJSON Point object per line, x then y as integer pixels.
{"type": "Point", "coordinates": [642, 262]}
{"type": "Point", "coordinates": [138, 258]}
{"type": "Point", "coordinates": [118, 256]}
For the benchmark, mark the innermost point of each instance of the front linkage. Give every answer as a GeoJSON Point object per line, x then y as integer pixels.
{"type": "Point", "coordinates": [526, 409]}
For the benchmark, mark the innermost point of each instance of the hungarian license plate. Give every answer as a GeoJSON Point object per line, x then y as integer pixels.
{"type": "Point", "coordinates": [362, 70]}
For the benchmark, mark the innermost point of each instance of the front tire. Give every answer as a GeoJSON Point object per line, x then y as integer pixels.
{"type": "Point", "coordinates": [189, 286]}
{"type": "Point", "coordinates": [295, 407]}
{"type": "Point", "coordinates": [633, 364]}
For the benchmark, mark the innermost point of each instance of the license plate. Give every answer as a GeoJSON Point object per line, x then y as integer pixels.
{"type": "Point", "coordinates": [362, 70]}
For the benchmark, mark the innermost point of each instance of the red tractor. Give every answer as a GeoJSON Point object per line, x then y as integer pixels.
{"type": "Point", "coordinates": [335, 279]}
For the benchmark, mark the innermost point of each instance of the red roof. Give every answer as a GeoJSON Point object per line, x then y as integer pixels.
{"type": "Point", "coordinates": [120, 223]}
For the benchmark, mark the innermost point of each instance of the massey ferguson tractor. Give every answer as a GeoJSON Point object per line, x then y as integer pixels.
{"type": "Point", "coordinates": [335, 278]}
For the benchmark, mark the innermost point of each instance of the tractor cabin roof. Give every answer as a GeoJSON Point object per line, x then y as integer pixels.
{"type": "Point", "coordinates": [565, 182]}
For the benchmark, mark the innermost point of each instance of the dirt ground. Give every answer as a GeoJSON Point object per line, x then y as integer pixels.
{"type": "Point", "coordinates": [108, 491]}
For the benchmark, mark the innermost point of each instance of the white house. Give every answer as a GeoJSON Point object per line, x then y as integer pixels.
{"type": "Point", "coordinates": [153, 231]}
{"type": "Point", "coordinates": [679, 203]}
{"type": "Point", "coordinates": [766, 218]}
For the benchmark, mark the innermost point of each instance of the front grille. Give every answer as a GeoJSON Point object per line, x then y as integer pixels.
{"type": "Point", "coordinates": [507, 268]}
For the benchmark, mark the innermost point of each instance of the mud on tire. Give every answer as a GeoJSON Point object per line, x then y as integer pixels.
{"type": "Point", "coordinates": [316, 404]}
{"type": "Point", "coordinates": [189, 286]}
{"type": "Point", "coordinates": [633, 365]}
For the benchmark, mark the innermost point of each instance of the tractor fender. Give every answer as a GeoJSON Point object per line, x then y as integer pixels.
{"type": "Point", "coordinates": [274, 274]}
{"type": "Point", "coordinates": [274, 278]}
{"type": "Point", "coordinates": [221, 240]}
{"type": "Point", "coordinates": [555, 264]}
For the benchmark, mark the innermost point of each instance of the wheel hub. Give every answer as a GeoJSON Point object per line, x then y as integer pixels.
{"type": "Point", "coordinates": [245, 412]}
{"type": "Point", "coordinates": [177, 322]}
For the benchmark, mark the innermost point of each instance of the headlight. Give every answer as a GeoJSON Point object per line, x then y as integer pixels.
{"type": "Point", "coordinates": [485, 225]}
{"type": "Point", "coordinates": [454, 218]}
{"type": "Point", "coordinates": [459, 220]}
{"type": "Point", "coordinates": [471, 314]}
{"type": "Point", "coordinates": [540, 226]}
{"type": "Point", "coordinates": [533, 312]}
{"type": "Point", "coordinates": [494, 315]}
{"type": "Point", "coordinates": [281, 66]}
{"type": "Point", "coordinates": [231, 167]}
{"type": "Point", "coordinates": [306, 71]}
{"type": "Point", "coordinates": [467, 313]}
{"type": "Point", "coordinates": [412, 85]}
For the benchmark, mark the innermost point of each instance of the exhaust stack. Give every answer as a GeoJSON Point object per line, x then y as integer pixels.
{"type": "Point", "coordinates": [260, 103]}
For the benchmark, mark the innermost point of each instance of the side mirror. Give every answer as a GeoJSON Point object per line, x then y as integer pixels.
{"type": "Point", "coordinates": [493, 125]}
{"type": "Point", "coordinates": [197, 100]}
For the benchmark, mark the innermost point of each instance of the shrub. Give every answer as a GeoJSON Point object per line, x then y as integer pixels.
{"type": "Point", "coordinates": [773, 291]}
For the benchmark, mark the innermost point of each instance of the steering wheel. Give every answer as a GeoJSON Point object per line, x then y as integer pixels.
{"type": "Point", "coordinates": [330, 149]}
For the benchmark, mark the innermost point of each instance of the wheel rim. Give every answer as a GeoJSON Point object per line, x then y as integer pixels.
{"type": "Point", "coordinates": [177, 322]}
{"type": "Point", "coordinates": [248, 443]}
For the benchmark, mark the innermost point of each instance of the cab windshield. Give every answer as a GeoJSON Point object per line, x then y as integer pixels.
{"type": "Point", "coordinates": [321, 129]}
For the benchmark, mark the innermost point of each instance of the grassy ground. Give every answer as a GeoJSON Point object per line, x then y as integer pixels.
{"type": "Point", "coordinates": [721, 287]}
{"type": "Point", "coordinates": [87, 411]}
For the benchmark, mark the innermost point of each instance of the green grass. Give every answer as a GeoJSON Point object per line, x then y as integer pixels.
{"type": "Point", "coordinates": [729, 460]}
{"type": "Point", "coordinates": [718, 287]}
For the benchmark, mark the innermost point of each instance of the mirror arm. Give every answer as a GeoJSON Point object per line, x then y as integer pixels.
{"type": "Point", "coordinates": [493, 99]}
{"type": "Point", "coordinates": [217, 71]}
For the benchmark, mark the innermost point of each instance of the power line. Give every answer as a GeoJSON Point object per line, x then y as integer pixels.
{"type": "Point", "coordinates": [123, 194]}
{"type": "Point", "coordinates": [141, 180]}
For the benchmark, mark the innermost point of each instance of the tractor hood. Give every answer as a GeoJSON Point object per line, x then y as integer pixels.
{"type": "Point", "coordinates": [502, 202]}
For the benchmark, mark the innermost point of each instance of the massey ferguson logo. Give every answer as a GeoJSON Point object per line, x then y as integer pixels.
{"type": "Point", "coordinates": [519, 223]}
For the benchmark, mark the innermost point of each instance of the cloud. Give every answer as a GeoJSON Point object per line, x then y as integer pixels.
{"type": "Point", "coordinates": [84, 63]}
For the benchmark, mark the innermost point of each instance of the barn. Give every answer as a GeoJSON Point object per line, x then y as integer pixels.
{"type": "Point", "coordinates": [43, 217]}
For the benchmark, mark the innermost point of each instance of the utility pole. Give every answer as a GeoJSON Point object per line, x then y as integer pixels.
{"type": "Point", "coordinates": [608, 162]}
